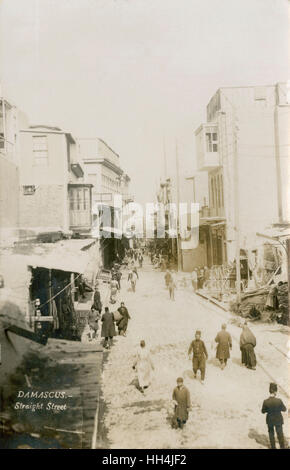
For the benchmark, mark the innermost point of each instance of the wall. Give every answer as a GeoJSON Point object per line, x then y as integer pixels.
{"type": "Point", "coordinates": [47, 208]}
{"type": "Point", "coordinates": [9, 200]}
{"type": "Point", "coordinates": [56, 172]}
{"type": "Point", "coordinates": [109, 182]}
{"type": "Point", "coordinates": [249, 113]}
{"type": "Point", "coordinates": [283, 119]}
{"type": "Point", "coordinates": [44, 210]}
{"type": "Point", "coordinates": [104, 151]}
{"type": "Point", "coordinates": [9, 171]}
{"type": "Point", "coordinates": [194, 258]}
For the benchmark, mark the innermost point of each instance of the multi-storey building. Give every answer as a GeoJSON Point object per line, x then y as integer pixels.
{"type": "Point", "coordinates": [188, 253]}
{"type": "Point", "coordinates": [53, 193]}
{"type": "Point", "coordinates": [103, 171]}
{"type": "Point", "coordinates": [244, 148]}
{"type": "Point", "coordinates": [11, 119]}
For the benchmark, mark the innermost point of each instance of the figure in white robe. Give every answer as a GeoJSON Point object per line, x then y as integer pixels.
{"type": "Point", "coordinates": [144, 366]}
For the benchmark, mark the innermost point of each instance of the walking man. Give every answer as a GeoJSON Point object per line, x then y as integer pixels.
{"type": "Point", "coordinates": [181, 399]}
{"type": "Point", "coordinates": [140, 259]}
{"type": "Point", "coordinates": [247, 345]}
{"type": "Point", "coordinates": [273, 407]}
{"type": "Point", "coordinates": [224, 344]}
{"type": "Point", "coordinates": [132, 277]}
{"type": "Point", "coordinates": [108, 328]}
{"type": "Point", "coordinates": [97, 304]}
{"type": "Point", "coordinates": [144, 366]}
{"type": "Point", "coordinates": [167, 278]}
{"type": "Point", "coordinates": [114, 289]}
{"type": "Point", "coordinates": [118, 278]}
{"type": "Point", "coordinates": [199, 355]}
{"type": "Point", "coordinates": [194, 280]}
{"type": "Point", "coordinates": [122, 324]}
{"type": "Point", "coordinates": [172, 286]}
{"type": "Point", "coordinates": [93, 320]}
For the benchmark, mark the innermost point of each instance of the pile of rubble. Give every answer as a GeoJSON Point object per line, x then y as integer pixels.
{"type": "Point", "coordinates": [253, 305]}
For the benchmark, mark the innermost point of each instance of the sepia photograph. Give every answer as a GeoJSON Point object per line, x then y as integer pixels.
{"type": "Point", "coordinates": [144, 227]}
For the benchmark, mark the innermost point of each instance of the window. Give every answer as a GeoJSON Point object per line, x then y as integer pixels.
{"type": "Point", "coordinates": [218, 192]}
{"type": "Point", "coordinates": [86, 199]}
{"type": "Point", "coordinates": [104, 197]}
{"type": "Point", "coordinates": [28, 190]}
{"type": "Point", "coordinates": [79, 199]}
{"type": "Point", "coordinates": [212, 193]}
{"type": "Point", "coordinates": [215, 192]}
{"type": "Point", "coordinates": [2, 140]}
{"type": "Point", "coordinates": [40, 154]}
{"type": "Point", "coordinates": [211, 142]}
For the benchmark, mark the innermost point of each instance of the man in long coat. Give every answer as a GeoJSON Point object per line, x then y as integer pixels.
{"type": "Point", "coordinates": [108, 328]}
{"type": "Point", "coordinates": [122, 324]}
{"type": "Point", "coordinates": [93, 320]}
{"type": "Point", "coordinates": [97, 304]}
{"type": "Point", "coordinates": [172, 285]}
{"type": "Point", "coordinates": [167, 278]}
{"type": "Point", "coordinates": [247, 345]}
{"type": "Point", "coordinates": [224, 344]}
{"type": "Point", "coordinates": [273, 407]}
{"type": "Point", "coordinates": [181, 398]}
{"type": "Point", "coordinates": [199, 355]}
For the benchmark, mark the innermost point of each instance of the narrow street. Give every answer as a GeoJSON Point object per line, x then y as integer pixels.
{"type": "Point", "coordinates": [226, 410]}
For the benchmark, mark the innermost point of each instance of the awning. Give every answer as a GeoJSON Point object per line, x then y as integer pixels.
{"type": "Point", "coordinates": [115, 231]}
{"type": "Point", "coordinates": [75, 264]}
{"type": "Point", "coordinates": [66, 256]}
{"type": "Point", "coordinates": [212, 220]}
{"type": "Point", "coordinates": [274, 233]}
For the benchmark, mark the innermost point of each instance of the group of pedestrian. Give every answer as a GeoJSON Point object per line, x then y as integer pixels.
{"type": "Point", "coordinates": [272, 406]}
{"type": "Point", "coordinates": [224, 345]}
{"type": "Point", "coordinates": [109, 319]}
{"type": "Point", "coordinates": [199, 277]}
{"type": "Point", "coordinates": [159, 260]}
{"type": "Point", "coordinates": [197, 352]}
{"type": "Point", "coordinates": [134, 255]}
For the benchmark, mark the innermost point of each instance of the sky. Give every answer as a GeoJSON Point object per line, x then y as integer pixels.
{"type": "Point", "coordinates": [137, 73]}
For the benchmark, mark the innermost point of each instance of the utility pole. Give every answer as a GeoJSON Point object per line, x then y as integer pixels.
{"type": "Point", "coordinates": [278, 165]}
{"type": "Point", "coordinates": [237, 211]}
{"type": "Point", "coordinates": [179, 260]}
{"type": "Point", "coordinates": [165, 160]}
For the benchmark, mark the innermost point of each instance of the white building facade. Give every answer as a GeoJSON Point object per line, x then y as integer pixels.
{"type": "Point", "coordinates": [102, 170]}
{"type": "Point", "coordinates": [244, 148]}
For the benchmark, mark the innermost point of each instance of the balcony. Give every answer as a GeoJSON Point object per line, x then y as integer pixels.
{"type": "Point", "coordinates": [80, 207]}
{"type": "Point", "coordinates": [77, 170]}
{"type": "Point", "coordinates": [206, 137]}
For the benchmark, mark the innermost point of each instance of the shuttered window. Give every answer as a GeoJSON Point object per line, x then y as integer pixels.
{"type": "Point", "coordinates": [40, 153]}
